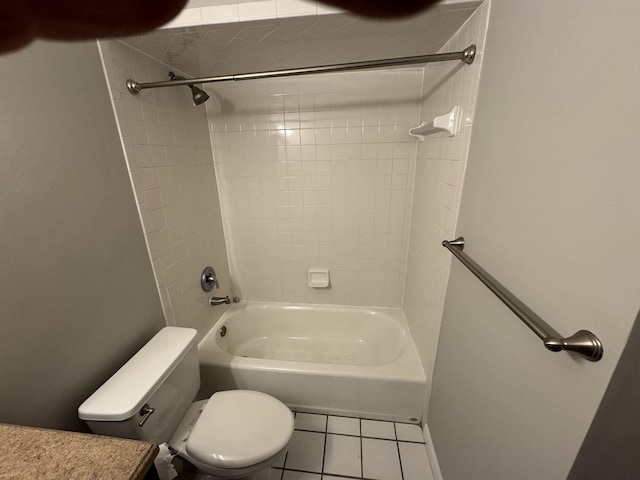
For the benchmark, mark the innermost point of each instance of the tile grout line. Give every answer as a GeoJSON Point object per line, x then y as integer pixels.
{"type": "Point", "coordinates": [337, 475]}
{"type": "Point", "coordinates": [324, 448]}
{"type": "Point", "coordinates": [398, 448]}
{"type": "Point", "coordinates": [286, 454]}
{"type": "Point", "coordinates": [362, 436]}
{"type": "Point", "coordinates": [361, 453]}
{"type": "Point", "coordinates": [322, 473]}
{"type": "Point", "coordinates": [351, 416]}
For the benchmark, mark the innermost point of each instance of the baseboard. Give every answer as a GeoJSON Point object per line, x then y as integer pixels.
{"type": "Point", "coordinates": [431, 452]}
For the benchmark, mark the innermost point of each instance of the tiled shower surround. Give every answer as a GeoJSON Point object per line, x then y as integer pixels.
{"type": "Point", "coordinates": [169, 157]}
{"type": "Point", "coordinates": [312, 172]}
{"type": "Point", "coordinates": [439, 175]}
{"type": "Point", "coordinates": [317, 172]}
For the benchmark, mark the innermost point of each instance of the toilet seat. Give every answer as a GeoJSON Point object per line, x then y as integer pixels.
{"type": "Point", "coordinates": [236, 430]}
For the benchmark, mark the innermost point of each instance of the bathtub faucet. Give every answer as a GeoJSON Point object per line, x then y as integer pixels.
{"type": "Point", "coordinates": [219, 300]}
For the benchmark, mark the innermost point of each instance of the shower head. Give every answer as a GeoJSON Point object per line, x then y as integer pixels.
{"type": "Point", "coordinates": [199, 95]}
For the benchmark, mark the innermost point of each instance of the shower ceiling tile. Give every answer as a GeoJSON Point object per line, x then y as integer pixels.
{"type": "Point", "coordinates": [220, 13]}
{"type": "Point", "coordinates": [188, 16]}
{"type": "Point", "coordinates": [293, 8]}
{"type": "Point", "coordinates": [257, 10]}
{"type": "Point", "coordinates": [259, 43]}
{"type": "Point", "coordinates": [256, 33]}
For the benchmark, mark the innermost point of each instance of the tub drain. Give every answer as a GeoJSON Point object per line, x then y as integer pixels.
{"type": "Point", "coordinates": [223, 331]}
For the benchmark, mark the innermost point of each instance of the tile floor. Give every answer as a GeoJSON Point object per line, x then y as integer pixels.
{"type": "Point", "coordinates": [337, 448]}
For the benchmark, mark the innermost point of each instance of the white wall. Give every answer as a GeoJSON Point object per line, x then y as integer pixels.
{"type": "Point", "coordinates": [439, 174]}
{"type": "Point", "coordinates": [77, 295]}
{"type": "Point", "coordinates": [316, 172]}
{"type": "Point", "coordinates": [550, 199]}
{"type": "Point", "coordinates": [168, 153]}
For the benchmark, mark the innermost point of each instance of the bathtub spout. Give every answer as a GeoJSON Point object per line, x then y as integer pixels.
{"type": "Point", "coordinates": [219, 300]}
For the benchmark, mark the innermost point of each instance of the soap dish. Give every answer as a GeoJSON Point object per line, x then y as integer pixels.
{"type": "Point", "coordinates": [319, 277]}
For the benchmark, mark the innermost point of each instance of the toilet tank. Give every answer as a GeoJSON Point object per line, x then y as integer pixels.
{"type": "Point", "coordinates": [164, 375]}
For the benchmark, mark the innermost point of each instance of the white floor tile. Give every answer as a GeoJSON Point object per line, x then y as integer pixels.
{"type": "Point", "coordinates": [289, 475]}
{"type": "Point", "coordinates": [342, 456]}
{"type": "Point", "coordinates": [380, 459]}
{"type": "Point", "coordinates": [274, 474]}
{"type": "Point", "coordinates": [409, 433]}
{"type": "Point", "coordinates": [305, 451]}
{"type": "Point", "coordinates": [343, 425]}
{"type": "Point", "coordinates": [311, 421]}
{"type": "Point", "coordinates": [415, 461]}
{"type": "Point", "coordinates": [377, 429]}
{"type": "Point", "coordinates": [279, 462]}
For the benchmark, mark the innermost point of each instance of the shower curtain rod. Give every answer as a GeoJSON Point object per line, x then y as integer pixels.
{"type": "Point", "coordinates": [467, 55]}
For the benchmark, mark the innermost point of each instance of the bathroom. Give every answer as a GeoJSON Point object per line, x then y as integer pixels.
{"type": "Point", "coordinates": [551, 124]}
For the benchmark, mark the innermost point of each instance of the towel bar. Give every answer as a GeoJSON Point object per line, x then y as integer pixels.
{"type": "Point", "coordinates": [583, 342]}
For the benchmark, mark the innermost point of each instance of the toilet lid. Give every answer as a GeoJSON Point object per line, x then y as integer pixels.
{"type": "Point", "coordinates": [239, 428]}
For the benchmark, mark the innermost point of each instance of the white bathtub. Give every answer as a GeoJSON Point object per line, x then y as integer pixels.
{"type": "Point", "coordinates": [315, 358]}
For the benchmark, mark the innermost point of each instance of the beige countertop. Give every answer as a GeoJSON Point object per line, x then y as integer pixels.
{"type": "Point", "coordinates": [37, 453]}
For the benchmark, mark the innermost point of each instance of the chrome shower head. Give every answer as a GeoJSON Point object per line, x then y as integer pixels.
{"type": "Point", "coordinates": [199, 95]}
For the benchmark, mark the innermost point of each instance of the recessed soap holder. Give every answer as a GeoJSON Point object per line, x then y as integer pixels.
{"type": "Point", "coordinates": [319, 277]}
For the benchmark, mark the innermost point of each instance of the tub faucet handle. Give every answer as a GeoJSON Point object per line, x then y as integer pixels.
{"type": "Point", "coordinates": [208, 280]}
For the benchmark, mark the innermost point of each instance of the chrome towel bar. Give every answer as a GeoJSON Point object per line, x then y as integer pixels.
{"type": "Point", "coordinates": [582, 342]}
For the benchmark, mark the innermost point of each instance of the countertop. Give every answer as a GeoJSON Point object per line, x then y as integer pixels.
{"type": "Point", "coordinates": [37, 453]}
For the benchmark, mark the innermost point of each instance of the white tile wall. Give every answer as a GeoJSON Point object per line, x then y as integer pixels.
{"type": "Point", "coordinates": [214, 11]}
{"type": "Point", "coordinates": [168, 152]}
{"type": "Point", "coordinates": [316, 172]}
{"type": "Point", "coordinates": [439, 174]}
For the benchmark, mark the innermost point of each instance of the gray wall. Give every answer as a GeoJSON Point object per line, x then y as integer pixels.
{"type": "Point", "coordinates": [549, 201]}
{"type": "Point", "coordinates": [611, 448]}
{"type": "Point", "coordinates": [77, 294]}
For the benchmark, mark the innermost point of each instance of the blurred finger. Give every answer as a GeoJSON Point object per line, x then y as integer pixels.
{"type": "Point", "coordinates": [382, 8]}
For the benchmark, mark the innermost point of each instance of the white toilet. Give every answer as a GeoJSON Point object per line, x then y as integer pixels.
{"type": "Point", "coordinates": [235, 434]}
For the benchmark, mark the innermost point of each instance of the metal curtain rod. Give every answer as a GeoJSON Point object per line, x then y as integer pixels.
{"type": "Point", "coordinates": [467, 55]}
{"type": "Point", "coordinates": [582, 342]}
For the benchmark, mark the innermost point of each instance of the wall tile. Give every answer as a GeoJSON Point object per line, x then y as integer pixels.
{"type": "Point", "coordinates": [319, 177]}
{"type": "Point", "coordinates": [169, 155]}
{"type": "Point", "coordinates": [439, 174]}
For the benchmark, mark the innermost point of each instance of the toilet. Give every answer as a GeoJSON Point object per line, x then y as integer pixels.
{"type": "Point", "coordinates": [236, 434]}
